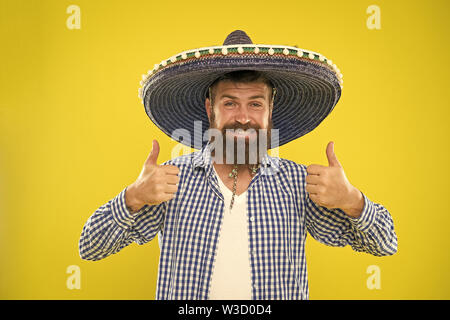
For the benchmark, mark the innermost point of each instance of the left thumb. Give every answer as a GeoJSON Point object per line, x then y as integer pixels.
{"type": "Point", "coordinates": [332, 159]}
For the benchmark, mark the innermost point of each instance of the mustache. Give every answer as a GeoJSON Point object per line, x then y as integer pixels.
{"type": "Point", "coordinates": [237, 126]}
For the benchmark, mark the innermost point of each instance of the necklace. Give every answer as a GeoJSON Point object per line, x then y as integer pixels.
{"type": "Point", "coordinates": [234, 173]}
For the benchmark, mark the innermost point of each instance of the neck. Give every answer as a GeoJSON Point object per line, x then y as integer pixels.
{"type": "Point", "coordinates": [236, 177]}
{"type": "Point", "coordinates": [228, 167]}
{"type": "Point", "coordinates": [245, 172]}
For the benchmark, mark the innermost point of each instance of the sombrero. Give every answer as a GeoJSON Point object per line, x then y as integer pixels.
{"type": "Point", "coordinates": [173, 93]}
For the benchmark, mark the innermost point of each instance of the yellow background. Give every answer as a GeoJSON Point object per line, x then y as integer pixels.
{"type": "Point", "coordinates": [73, 132]}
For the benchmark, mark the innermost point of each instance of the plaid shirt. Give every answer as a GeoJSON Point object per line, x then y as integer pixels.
{"type": "Point", "coordinates": [280, 213]}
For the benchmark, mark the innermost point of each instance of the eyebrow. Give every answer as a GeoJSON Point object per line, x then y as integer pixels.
{"type": "Point", "coordinates": [233, 97]}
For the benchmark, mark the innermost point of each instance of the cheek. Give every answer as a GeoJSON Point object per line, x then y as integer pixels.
{"type": "Point", "coordinates": [264, 120]}
{"type": "Point", "coordinates": [222, 118]}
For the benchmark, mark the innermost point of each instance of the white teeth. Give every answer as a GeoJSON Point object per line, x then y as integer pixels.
{"type": "Point", "coordinates": [241, 132]}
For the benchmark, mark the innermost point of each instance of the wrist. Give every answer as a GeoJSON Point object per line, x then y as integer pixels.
{"type": "Point", "coordinates": [355, 205]}
{"type": "Point", "coordinates": [132, 203]}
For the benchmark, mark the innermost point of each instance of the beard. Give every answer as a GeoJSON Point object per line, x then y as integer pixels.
{"type": "Point", "coordinates": [241, 144]}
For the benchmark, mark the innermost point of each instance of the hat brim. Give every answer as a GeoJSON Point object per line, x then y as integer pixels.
{"type": "Point", "coordinates": [307, 91]}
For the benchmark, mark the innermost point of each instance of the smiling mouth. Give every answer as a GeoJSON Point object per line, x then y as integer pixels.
{"type": "Point", "coordinates": [242, 133]}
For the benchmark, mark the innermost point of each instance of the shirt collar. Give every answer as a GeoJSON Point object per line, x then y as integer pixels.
{"type": "Point", "coordinates": [202, 160]}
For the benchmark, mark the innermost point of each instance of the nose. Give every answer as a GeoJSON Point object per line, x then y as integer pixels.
{"type": "Point", "coordinates": [242, 115]}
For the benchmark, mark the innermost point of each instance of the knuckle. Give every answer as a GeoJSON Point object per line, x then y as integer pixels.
{"type": "Point", "coordinates": [157, 173]}
{"type": "Point", "coordinates": [160, 196]}
{"type": "Point", "coordinates": [158, 188]}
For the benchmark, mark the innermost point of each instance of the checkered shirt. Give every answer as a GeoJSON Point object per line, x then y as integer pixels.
{"type": "Point", "coordinates": [280, 214]}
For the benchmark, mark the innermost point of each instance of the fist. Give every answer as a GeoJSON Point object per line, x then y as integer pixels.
{"type": "Point", "coordinates": [155, 184]}
{"type": "Point", "coordinates": [328, 186]}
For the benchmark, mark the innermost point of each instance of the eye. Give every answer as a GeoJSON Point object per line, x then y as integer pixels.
{"type": "Point", "coordinates": [256, 105]}
{"type": "Point", "coordinates": [228, 104]}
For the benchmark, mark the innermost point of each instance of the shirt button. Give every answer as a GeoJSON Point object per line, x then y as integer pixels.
{"type": "Point", "coordinates": [252, 219]}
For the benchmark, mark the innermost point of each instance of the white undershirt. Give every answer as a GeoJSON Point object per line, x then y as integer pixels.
{"type": "Point", "coordinates": [231, 277]}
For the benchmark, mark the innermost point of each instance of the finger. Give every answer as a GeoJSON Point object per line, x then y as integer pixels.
{"type": "Point", "coordinates": [167, 197]}
{"type": "Point", "coordinates": [170, 169]}
{"type": "Point", "coordinates": [331, 156]}
{"type": "Point", "coordinates": [313, 179]}
{"type": "Point", "coordinates": [172, 179]}
{"type": "Point", "coordinates": [163, 198]}
{"type": "Point", "coordinates": [314, 198]}
{"type": "Point", "coordinates": [315, 169]}
{"type": "Point", "coordinates": [153, 156]}
{"type": "Point", "coordinates": [170, 188]}
{"type": "Point", "coordinates": [313, 189]}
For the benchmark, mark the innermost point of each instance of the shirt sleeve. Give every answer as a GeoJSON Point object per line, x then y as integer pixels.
{"type": "Point", "coordinates": [112, 227]}
{"type": "Point", "coordinates": [372, 232]}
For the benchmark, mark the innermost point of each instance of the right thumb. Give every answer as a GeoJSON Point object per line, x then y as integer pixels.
{"type": "Point", "coordinates": [153, 156]}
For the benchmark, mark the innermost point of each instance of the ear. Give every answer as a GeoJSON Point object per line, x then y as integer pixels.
{"type": "Point", "coordinates": [208, 107]}
{"type": "Point", "coordinates": [270, 110]}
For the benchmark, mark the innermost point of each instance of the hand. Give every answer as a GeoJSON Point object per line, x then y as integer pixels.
{"type": "Point", "coordinates": [155, 184]}
{"type": "Point", "coordinates": [330, 188]}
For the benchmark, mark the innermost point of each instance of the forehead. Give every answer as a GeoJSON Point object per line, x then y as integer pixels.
{"type": "Point", "coordinates": [242, 89]}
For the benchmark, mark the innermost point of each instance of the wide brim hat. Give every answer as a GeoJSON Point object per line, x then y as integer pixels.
{"type": "Point", "coordinates": [308, 87]}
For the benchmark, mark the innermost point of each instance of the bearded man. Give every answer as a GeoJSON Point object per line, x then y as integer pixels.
{"type": "Point", "coordinates": [231, 220]}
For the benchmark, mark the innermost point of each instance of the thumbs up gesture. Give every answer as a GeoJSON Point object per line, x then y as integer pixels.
{"type": "Point", "coordinates": [155, 183]}
{"type": "Point", "coordinates": [330, 188]}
